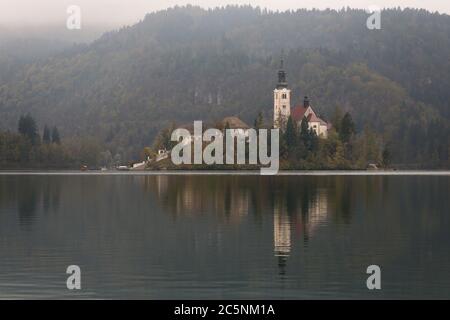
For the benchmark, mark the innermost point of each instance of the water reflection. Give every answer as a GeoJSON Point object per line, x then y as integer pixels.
{"type": "Point", "coordinates": [31, 196]}
{"type": "Point", "coordinates": [298, 207]}
{"type": "Point", "coordinates": [224, 236]}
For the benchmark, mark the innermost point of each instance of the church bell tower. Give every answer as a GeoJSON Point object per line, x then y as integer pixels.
{"type": "Point", "coordinates": [281, 100]}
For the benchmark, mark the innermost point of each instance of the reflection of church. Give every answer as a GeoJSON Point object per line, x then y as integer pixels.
{"type": "Point", "coordinates": [281, 233]}
{"type": "Point", "coordinates": [297, 212]}
{"type": "Point", "coordinates": [302, 221]}
{"type": "Point", "coordinates": [317, 213]}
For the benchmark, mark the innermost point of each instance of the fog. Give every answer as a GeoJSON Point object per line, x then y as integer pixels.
{"type": "Point", "coordinates": [16, 14]}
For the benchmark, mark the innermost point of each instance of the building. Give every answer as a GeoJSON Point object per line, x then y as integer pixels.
{"type": "Point", "coordinates": [281, 100]}
{"type": "Point", "coordinates": [282, 108]}
{"type": "Point", "coordinates": [305, 111]}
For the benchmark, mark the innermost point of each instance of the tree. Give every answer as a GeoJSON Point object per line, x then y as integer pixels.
{"type": "Point", "coordinates": [386, 157]}
{"type": "Point", "coordinates": [117, 159]}
{"type": "Point", "coordinates": [55, 136]}
{"type": "Point", "coordinates": [280, 122]}
{"type": "Point", "coordinates": [336, 119]}
{"type": "Point", "coordinates": [106, 159]}
{"type": "Point", "coordinates": [27, 127]}
{"type": "Point", "coordinates": [46, 136]}
{"type": "Point", "coordinates": [259, 121]}
{"type": "Point", "coordinates": [304, 130]}
{"type": "Point", "coordinates": [290, 134]}
{"type": "Point", "coordinates": [149, 153]}
{"type": "Point", "coordinates": [347, 128]}
{"type": "Point", "coordinates": [164, 138]}
{"type": "Point", "coordinates": [339, 161]}
{"type": "Point", "coordinates": [313, 140]}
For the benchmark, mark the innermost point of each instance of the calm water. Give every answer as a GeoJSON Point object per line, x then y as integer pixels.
{"type": "Point", "coordinates": [224, 236]}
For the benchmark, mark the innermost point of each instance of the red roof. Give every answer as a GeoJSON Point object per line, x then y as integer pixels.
{"type": "Point", "coordinates": [298, 112]}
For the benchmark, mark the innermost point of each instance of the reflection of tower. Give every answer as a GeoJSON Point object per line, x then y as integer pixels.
{"type": "Point", "coordinates": [162, 184]}
{"type": "Point", "coordinates": [281, 232]}
{"type": "Point", "coordinates": [281, 235]}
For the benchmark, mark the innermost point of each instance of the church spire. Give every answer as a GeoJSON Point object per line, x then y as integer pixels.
{"type": "Point", "coordinates": [281, 99]}
{"type": "Point", "coordinates": [282, 83]}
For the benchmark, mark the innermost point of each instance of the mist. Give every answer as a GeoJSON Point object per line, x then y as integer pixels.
{"type": "Point", "coordinates": [105, 14]}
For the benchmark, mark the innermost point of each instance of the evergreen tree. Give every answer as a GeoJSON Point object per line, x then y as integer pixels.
{"type": "Point", "coordinates": [46, 135]}
{"type": "Point", "coordinates": [304, 130]}
{"type": "Point", "coordinates": [313, 141]}
{"type": "Point", "coordinates": [290, 134]}
{"type": "Point", "coordinates": [259, 121]}
{"type": "Point", "coordinates": [347, 128]}
{"type": "Point", "coordinates": [336, 119]}
{"type": "Point", "coordinates": [386, 157]}
{"type": "Point", "coordinates": [27, 127]}
{"type": "Point", "coordinates": [55, 136]}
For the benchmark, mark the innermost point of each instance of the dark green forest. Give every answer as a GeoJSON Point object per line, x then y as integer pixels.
{"type": "Point", "coordinates": [187, 63]}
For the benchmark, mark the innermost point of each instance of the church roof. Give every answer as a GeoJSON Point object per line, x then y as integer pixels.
{"type": "Point", "coordinates": [298, 113]}
{"type": "Point", "coordinates": [313, 118]}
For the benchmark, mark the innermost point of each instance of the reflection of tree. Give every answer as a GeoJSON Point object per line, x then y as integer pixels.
{"type": "Point", "coordinates": [196, 195]}
{"type": "Point", "coordinates": [30, 194]}
{"type": "Point", "coordinates": [27, 189]}
{"type": "Point", "coordinates": [299, 205]}
{"type": "Point", "coordinates": [51, 193]}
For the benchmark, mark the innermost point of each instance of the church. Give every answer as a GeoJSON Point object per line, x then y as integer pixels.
{"type": "Point", "coordinates": [282, 108]}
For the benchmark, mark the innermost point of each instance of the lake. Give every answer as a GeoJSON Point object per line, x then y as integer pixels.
{"type": "Point", "coordinates": [224, 236]}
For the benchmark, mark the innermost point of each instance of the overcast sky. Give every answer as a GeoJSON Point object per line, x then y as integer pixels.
{"type": "Point", "coordinates": [21, 13]}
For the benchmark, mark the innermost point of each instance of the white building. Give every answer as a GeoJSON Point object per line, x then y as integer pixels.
{"type": "Point", "coordinates": [282, 109]}
{"type": "Point", "coordinates": [315, 123]}
{"type": "Point", "coordinates": [281, 100]}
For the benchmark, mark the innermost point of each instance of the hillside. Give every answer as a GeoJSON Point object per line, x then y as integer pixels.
{"type": "Point", "coordinates": [188, 63]}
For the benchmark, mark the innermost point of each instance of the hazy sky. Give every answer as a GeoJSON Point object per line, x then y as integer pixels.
{"type": "Point", "coordinates": [21, 13]}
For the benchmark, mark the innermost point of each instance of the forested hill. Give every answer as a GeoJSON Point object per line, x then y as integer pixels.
{"type": "Point", "coordinates": [188, 63]}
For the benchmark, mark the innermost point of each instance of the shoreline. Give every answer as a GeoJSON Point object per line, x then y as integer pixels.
{"type": "Point", "coordinates": [224, 172]}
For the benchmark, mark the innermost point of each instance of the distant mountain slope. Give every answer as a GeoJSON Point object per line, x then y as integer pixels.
{"type": "Point", "coordinates": [188, 63]}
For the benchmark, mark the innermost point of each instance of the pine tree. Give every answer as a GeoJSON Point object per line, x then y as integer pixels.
{"type": "Point", "coordinates": [28, 128]}
{"type": "Point", "coordinates": [304, 132]}
{"type": "Point", "coordinates": [291, 133]}
{"type": "Point", "coordinates": [313, 141]}
{"type": "Point", "coordinates": [336, 119]}
{"type": "Point", "coordinates": [46, 135]}
{"type": "Point", "coordinates": [55, 136]}
{"type": "Point", "coordinates": [386, 157]}
{"type": "Point", "coordinates": [259, 121]}
{"type": "Point", "coordinates": [347, 128]}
